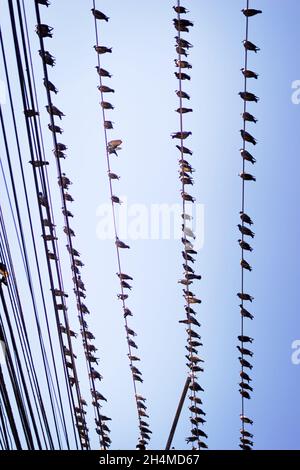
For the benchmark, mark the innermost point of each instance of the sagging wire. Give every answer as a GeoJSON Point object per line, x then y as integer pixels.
{"type": "Point", "coordinates": [246, 437]}
{"type": "Point", "coordinates": [185, 174]}
{"type": "Point", "coordinates": [79, 288]}
{"type": "Point", "coordinates": [111, 147]}
{"type": "Point", "coordinates": [44, 202]}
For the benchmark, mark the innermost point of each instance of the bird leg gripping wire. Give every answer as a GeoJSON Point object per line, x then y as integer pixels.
{"type": "Point", "coordinates": [79, 287]}
{"type": "Point", "coordinates": [112, 146]}
{"type": "Point", "coordinates": [246, 438]}
{"type": "Point", "coordinates": [183, 47]}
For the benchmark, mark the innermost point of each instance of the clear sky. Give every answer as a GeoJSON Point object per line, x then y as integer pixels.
{"type": "Point", "coordinates": [142, 37]}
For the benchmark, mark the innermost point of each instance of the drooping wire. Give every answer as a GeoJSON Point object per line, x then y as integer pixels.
{"type": "Point", "coordinates": [182, 47]}
{"type": "Point", "coordinates": [245, 390]}
{"type": "Point", "coordinates": [110, 148]}
{"type": "Point", "coordinates": [79, 288]}
{"type": "Point", "coordinates": [44, 199]}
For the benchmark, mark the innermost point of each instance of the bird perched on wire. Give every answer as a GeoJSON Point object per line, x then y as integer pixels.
{"type": "Point", "coordinates": [113, 176]}
{"type": "Point", "coordinates": [106, 105]}
{"type": "Point", "coordinates": [183, 43]}
{"type": "Point", "coordinates": [54, 111]}
{"type": "Point", "coordinates": [247, 177]}
{"type": "Point", "coordinates": [248, 12]}
{"type": "Point", "coordinates": [247, 96]}
{"type": "Point", "coordinates": [184, 110]}
{"type": "Point", "coordinates": [182, 76]}
{"type": "Point", "coordinates": [103, 49]}
{"type": "Point", "coordinates": [245, 376]}
{"type": "Point", "coordinates": [245, 363]}
{"type": "Point", "coordinates": [248, 117]}
{"type": "Point", "coordinates": [105, 89]}
{"type": "Point", "coordinates": [187, 197]}
{"type": "Point", "coordinates": [180, 10]}
{"type": "Point", "coordinates": [245, 339]}
{"type": "Point", "coordinates": [249, 73]}
{"type": "Point", "coordinates": [244, 296]}
{"type": "Point", "coordinates": [181, 135]}
{"type": "Point", "coordinates": [47, 58]}
{"type": "Point", "coordinates": [248, 137]}
{"type": "Point", "coordinates": [247, 156]}
{"type": "Point", "coordinates": [116, 200]}
{"type": "Point", "coordinates": [249, 46]}
{"type": "Point", "coordinates": [181, 51]}
{"type": "Point", "coordinates": [182, 94]}
{"type": "Point", "coordinates": [44, 31]}
{"type": "Point", "coordinates": [245, 246]}
{"type": "Point", "coordinates": [245, 265]}
{"type": "Point", "coordinates": [124, 276]}
{"type": "Point", "coordinates": [103, 72]}
{"type": "Point", "coordinates": [244, 351]}
{"type": "Point", "coordinates": [246, 231]}
{"type": "Point", "coordinates": [55, 129]}
{"type": "Point", "coordinates": [245, 218]}
{"type": "Point", "coordinates": [50, 86]}
{"type": "Point", "coordinates": [108, 125]}
{"type": "Point", "coordinates": [121, 244]}
{"type": "Point", "coordinates": [245, 313]}
{"type": "Point", "coordinates": [183, 64]}
{"type": "Point", "coordinates": [99, 15]}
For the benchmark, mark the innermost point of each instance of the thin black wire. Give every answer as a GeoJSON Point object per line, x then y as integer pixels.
{"type": "Point", "coordinates": [66, 372]}
{"type": "Point", "coordinates": [192, 374]}
{"type": "Point", "coordinates": [70, 244]}
{"type": "Point", "coordinates": [115, 224]}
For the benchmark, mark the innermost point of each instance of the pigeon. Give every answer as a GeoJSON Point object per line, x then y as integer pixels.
{"type": "Point", "coordinates": [245, 339]}
{"type": "Point", "coordinates": [50, 86]}
{"type": "Point", "coordinates": [99, 15]}
{"type": "Point", "coordinates": [180, 9]}
{"type": "Point", "coordinates": [245, 218]}
{"type": "Point", "coordinates": [247, 156]}
{"type": "Point", "coordinates": [249, 117]}
{"type": "Point", "coordinates": [183, 43]}
{"type": "Point", "coordinates": [249, 73]}
{"type": "Point", "coordinates": [103, 50]}
{"type": "Point", "coordinates": [54, 111]}
{"type": "Point", "coordinates": [47, 58]}
{"type": "Point", "coordinates": [246, 231]}
{"type": "Point", "coordinates": [182, 94]}
{"type": "Point", "coordinates": [244, 296]}
{"type": "Point", "coordinates": [182, 76]}
{"type": "Point", "coordinates": [105, 89]}
{"type": "Point", "coordinates": [181, 135]}
{"type": "Point", "coordinates": [121, 244]}
{"type": "Point", "coordinates": [247, 96]}
{"type": "Point", "coordinates": [44, 31]}
{"type": "Point", "coordinates": [184, 110]}
{"type": "Point", "coordinates": [103, 72]}
{"type": "Point", "coordinates": [106, 105]}
{"type": "Point", "coordinates": [247, 177]}
{"type": "Point", "coordinates": [248, 137]}
{"type": "Point", "coordinates": [249, 46]}
{"type": "Point", "coordinates": [183, 64]}
{"type": "Point", "coordinates": [245, 246]}
{"type": "Point", "coordinates": [248, 12]}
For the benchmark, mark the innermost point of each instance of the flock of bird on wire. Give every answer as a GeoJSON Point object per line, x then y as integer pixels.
{"type": "Point", "coordinates": [186, 171]}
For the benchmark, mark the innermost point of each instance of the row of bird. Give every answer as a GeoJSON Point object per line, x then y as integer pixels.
{"type": "Point", "coordinates": [113, 146]}
{"type": "Point", "coordinates": [64, 183]}
{"type": "Point", "coordinates": [245, 353]}
{"type": "Point", "coordinates": [194, 363]}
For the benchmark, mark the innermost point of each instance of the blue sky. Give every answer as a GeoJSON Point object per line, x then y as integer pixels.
{"type": "Point", "coordinates": [142, 37]}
